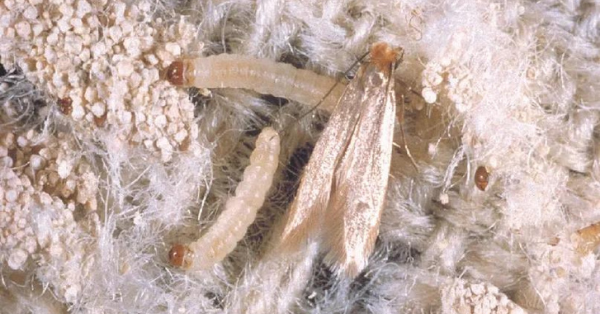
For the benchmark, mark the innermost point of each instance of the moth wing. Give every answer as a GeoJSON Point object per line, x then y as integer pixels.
{"type": "Point", "coordinates": [312, 197]}
{"type": "Point", "coordinates": [361, 176]}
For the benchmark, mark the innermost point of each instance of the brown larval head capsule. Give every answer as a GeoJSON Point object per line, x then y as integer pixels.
{"type": "Point", "coordinates": [180, 256]}
{"type": "Point", "coordinates": [176, 73]}
{"type": "Point", "coordinates": [99, 121]}
{"type": "Point", "coordinates": [482, 178]}
{"type": "Point", "coordinates": [65, 106]}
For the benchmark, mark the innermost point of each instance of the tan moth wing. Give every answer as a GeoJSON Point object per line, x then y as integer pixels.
{"type": "Point", "coordinates": [312, 198]}
{"type": "Point", "coordinates": [361, 176]}
{"type": "Point", "coordinates": [345, 181]}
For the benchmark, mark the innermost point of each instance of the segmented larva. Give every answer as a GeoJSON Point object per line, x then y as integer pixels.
{"type": "Point", "coordinates": [240, 210]}
{"type": "Point", "coordinates": [261, 75]}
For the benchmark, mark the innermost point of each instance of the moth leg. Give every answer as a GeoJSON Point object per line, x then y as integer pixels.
{"type": "Point", "coordinates": [399, 58]}
{"type": "Point", "coordinates": [405, 145]}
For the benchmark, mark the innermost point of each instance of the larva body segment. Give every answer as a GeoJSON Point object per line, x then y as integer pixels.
{"type": "Point", "coordinates": [240, 210]}
{"type": "Point", "coordinates": [261, 75]}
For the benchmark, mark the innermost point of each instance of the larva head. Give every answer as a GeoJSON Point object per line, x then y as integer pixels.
{"type": "Point", "coordinates": [176, 73]}
{"type": "Point", "coordinates": [65, 106]}
{"type": "Point", "coordinates": [180, 256]}
{"type": "Point", "coordinates": [99, 121]}
{"type": "Point", "coordinates": [481, 178]}
{"type": "Point", "coordinates": [383, 56]}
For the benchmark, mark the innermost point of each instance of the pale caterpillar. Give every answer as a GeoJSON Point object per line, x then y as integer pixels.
{"type": "Point", "coordinates": [240, 210]}
{"type": "Point", "coordinates": [261, 75]}
{"type": "Point", "coordinates": [343, 186]}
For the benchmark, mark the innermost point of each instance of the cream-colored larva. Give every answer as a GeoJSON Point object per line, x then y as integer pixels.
{"type": "Point", "coordinates": [261, 75]}
{"type": "Point", "coordinates": [240, 210]}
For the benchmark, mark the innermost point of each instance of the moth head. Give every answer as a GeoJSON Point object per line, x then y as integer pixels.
{"type": "Point", "coordinates": [384, 56]}
{"type": "Point", "coordinates": [181, 256]}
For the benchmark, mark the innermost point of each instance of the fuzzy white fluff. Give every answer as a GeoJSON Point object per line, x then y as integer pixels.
{"type": "Point", "coordinates": [515, 85]}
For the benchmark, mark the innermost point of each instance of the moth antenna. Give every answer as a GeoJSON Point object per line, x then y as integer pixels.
{"type": "Point", "coordinates": [334, 86]}
{"type": "Point", "coordinates": [320, 101]}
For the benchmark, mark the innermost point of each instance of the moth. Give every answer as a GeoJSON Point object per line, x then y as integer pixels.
{"type": "Point", "coordinates": [240, 210]}
{"type": "Point", "coordinates": [261, 75]}
{"type": "Point", "coordinates": [342, 190]}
